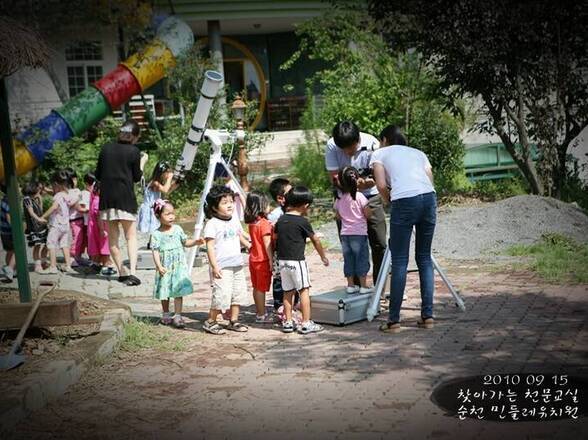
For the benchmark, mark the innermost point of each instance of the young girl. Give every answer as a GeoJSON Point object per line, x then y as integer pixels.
{"type": "Point", "coordinates": [76, 218]}
{"type": "Point", "coordinates": [98, 248]}
{"type": "Point", "coordinates": [36, 226]}
{"type": "Point", "coordinates": [160, 183]}
{"type": "Point", "coordinates": [172, 279]}
{"type": "Point", "coordinates": [224, 236]}
{"type": "Point", "coordinates": [59, 236]}
{"type": "Point", "coordinates": [353, 211]}
{"type": "Point", "coordinates": [260, 256]}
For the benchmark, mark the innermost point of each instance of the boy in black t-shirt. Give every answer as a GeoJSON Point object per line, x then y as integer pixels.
{"type": "Point", "coordinates": [290, 235]}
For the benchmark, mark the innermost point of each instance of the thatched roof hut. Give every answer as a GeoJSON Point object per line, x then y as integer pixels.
{"type": "Point", "coordinates": [20, 47]}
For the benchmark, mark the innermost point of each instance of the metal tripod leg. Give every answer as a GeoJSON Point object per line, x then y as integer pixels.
{"type": "Point", "coordinates": [374, 306]}
{"type": "Point", "coordinates": [198, 226]}
{"type": "Point", "coordinates": [458, 299]}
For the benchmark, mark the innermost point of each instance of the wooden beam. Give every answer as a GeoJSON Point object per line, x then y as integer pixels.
{"type": "Point", "coordinates": [13, 316]}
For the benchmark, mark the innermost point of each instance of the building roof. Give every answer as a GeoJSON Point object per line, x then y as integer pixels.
{"type": "Point", "coordinates": [244, 16]}
{"type": "Point", "coordinates": [20, 47]}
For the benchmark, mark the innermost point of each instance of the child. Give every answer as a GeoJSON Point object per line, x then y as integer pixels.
{"type": "Point", "coordinates": [260, 257]}
{"type": "Point", "coordinates": [6, 237]}
{"type": "Point", "coordinates": [240, 201]}
{"type": "Point", "coordinates": [160, 183]}
{"type": "Point", "coordinates": [224, 237]}
{"type": "Point", "coordinates": [59, 236]}
{"type": "Point", "coordinates": [36, 227]}
{"type": "Point", "coordinates": [290, 235]}
{"type": "Point", "coordinates": [278, 189]}
{"type": "Point", "coordinates": [352, 210]}
{"type": "Point", "coordinates": [84, 204]}
{"type": "Point", "coordinates": [98, 248]}
{"type": "Point", "coordinates": [76, 218]}
{"type": "Point", "coordinates": [172, 279]}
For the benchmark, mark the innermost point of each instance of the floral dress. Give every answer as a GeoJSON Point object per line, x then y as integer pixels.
{"type": "Point", "coordinates": [176, 281]}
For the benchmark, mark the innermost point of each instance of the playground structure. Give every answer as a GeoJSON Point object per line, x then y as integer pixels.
{"type": "Point", "coordinates": [131, 77]}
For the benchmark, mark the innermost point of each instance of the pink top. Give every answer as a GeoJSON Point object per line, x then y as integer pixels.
{"type": "Point", "coordinates": [353, 221]}
{"type": "Point", "coordinates": [60, 217]}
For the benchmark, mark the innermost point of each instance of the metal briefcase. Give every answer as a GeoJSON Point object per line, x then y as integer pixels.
{"type": "Point", "coordinates": [339, 308]}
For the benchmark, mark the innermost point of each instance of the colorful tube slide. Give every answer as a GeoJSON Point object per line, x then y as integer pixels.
{"type": "Point", "coordinates": [137, 73]}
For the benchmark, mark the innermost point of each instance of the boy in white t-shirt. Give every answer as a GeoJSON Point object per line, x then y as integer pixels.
{"type": "Point", "coordinates": [223, 234]}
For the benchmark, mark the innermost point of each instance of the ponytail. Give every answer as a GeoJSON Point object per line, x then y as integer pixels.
{"type": "Point", "coordinates": [348, 180]}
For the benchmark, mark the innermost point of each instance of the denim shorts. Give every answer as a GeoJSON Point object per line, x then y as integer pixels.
{"type": "Point", "coordinates": [356, 255]}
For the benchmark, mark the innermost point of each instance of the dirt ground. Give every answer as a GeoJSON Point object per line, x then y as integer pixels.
{"type": "Point", "coordinates": [348, 382]}
{"type": "Point", "coordinates": [42, 345]}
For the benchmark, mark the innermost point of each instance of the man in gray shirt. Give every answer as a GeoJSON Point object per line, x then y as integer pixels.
{"type": "Point", "coordinates": [350, 147]}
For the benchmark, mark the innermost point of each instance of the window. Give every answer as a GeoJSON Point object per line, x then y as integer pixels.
{"type": "Point", "coordinates": [83, 67]}
{"type": "Point", "coordinates": [84, 51]}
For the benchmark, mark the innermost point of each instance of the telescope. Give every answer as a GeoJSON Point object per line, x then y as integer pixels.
{"type": "Point", "coordinates": [210, 86]}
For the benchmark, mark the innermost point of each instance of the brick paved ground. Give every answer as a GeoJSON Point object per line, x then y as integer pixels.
{"type": "Point", "coordinates": [349, 382]}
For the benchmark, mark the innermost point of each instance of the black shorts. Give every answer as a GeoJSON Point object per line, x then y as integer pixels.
{"type": "Point", "coordinates": [7, 242]}
{"type": "Point", "coordinates": [36, 237]}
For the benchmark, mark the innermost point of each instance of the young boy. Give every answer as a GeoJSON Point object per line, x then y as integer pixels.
{"type": "Point", "coordinates": [278, 189]}
{"type": "Point", "coordinates": [224, 237]}
{"type": "Point", "coordinates": [290, 235]}
{"type": "Point", "coordinates": [7, 272]}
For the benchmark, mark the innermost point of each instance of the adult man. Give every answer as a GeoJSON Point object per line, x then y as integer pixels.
{"type": "Point", "coordinates": [350, 147]}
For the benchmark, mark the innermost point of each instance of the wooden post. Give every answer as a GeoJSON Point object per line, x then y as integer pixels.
{"type": "Point", "coordinates": [20, 247]}
{"type": "Point", "coordinates": [243, 168]}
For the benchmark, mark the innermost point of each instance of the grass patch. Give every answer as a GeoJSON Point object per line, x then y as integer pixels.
{"type": "Point", "coordinates": [140, 334]}
{"type": "Point", "coordinates": [556, 258]}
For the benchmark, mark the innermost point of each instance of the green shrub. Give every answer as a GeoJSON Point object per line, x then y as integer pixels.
{"type": "Point", "coordinates": [493, 190]}
{"type": "Point", "coordinates": [366, 82]}
{"type": "Point", "coordinates": [437, 134]}
{"type": "Point", "coordinates": [308, 166]}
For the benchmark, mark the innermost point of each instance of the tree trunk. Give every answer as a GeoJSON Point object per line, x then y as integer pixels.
{"type": "Point", "coordinates": [61, 92]}
{"type": "Point", "coordinates": [526, 166]}
{"type": "Point", "coordinates": [560, 172]}
{"type": "Point", "coordinates": [524, 161]}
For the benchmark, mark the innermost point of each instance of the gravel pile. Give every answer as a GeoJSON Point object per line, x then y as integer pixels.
{"type": "Point", "coordinates": [475, 232]}
{"type": "Point", "coordinates": [485, 231]}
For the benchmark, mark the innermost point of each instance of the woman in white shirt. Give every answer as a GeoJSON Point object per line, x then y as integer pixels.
{"type": "Point", "coordinates": [403, 175]}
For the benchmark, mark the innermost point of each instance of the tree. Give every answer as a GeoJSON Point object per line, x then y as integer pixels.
{"type": "Point", "coordinates": [364, 81]}
{"type": "Point", "coordinates": [526, 60]}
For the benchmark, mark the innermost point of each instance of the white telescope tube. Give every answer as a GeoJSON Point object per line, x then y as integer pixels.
{"type": "Point", "coordinates": [210, 86]}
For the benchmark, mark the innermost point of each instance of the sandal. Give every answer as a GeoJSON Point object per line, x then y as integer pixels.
{"type": "Point", "coordinates": [133, 281]}
{"type": "Point", "coordinates": [214, 328]}
{"type": "Point", "coordinates": [426, 322]}
{"type": "Point", "coordinates": [123, 279]}
{"type": "Point", "coordinates": [236, 326]}
{"type": "Point", "coordinates": [390, 327]}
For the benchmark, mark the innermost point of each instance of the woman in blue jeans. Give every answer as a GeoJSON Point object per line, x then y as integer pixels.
{"type": "Point", "coordinates": [404, 176]}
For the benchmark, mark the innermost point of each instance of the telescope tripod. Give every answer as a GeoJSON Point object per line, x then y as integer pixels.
{"type": "Point", "coordinates": [217, 138]}
{"type": "Point", "coordinates": [384, 273]}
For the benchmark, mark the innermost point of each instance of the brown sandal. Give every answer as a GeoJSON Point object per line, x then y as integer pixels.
{"type": "Point", "coordinates": [390, 327]}
{"type": "Point", "coordinates": [426, 322]}
{"type": "Point", "coordinates": [236, 326]}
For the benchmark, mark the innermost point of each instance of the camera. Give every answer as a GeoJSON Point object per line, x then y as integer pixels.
{"type": "Point", "coordinates": [366, 173]}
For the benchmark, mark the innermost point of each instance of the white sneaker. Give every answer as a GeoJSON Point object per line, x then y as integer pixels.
{"type": "Point", "coordinates": [310, 327]}
{"type": "Point", "coordinates": [8, 274]}
{"type": "Point", "coordinates": [288, 327]}
{"type": "Point", "coordinates": [363, 290]}
{"type": "Point", "coordinates": [352, 290]}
